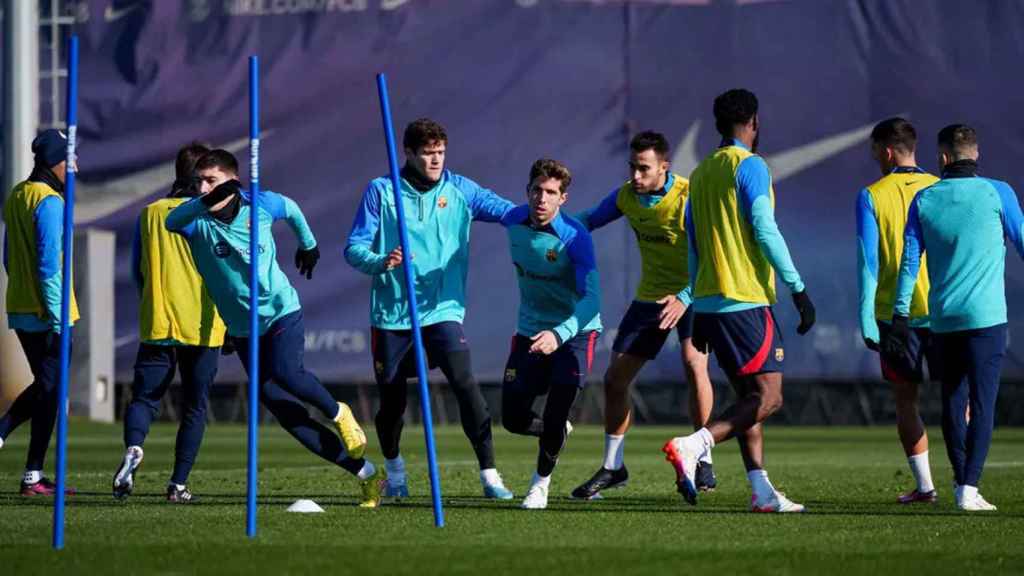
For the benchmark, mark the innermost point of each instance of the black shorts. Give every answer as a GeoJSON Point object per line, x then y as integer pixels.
{"type": "Point", "coordinates": [639, 334]}
{"type": "Point", "coordinates": [745, 343]}
{"type": "Point", "coordinates": [536, 373]}
{"type": "Point", "coordinates": [393, 355]}
{"type": "Point", "coordinates": [921, 347]}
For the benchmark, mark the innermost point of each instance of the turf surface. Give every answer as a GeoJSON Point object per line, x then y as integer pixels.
{"type": "Point", "coordinates": [847, 477]}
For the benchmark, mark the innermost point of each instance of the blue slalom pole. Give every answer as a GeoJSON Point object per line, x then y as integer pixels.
{"type": "Point", "coordinates": [254, 259]}
{"type": "Point", "coordinates": [421, 366]}
{"type": "Point", "coordinates": [65, 298]}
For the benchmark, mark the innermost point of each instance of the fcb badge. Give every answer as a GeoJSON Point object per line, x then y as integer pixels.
{"type": "Point", "coordinates": [510, 374]}
{"type": "Point", "coordinates": [551, 255]}
{"type": "Point", "coordinates": [442, 201]}
{"type": "Point", "coordinates": [780, 354]}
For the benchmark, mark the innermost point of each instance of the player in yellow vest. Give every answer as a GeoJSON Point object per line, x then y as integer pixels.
{"type": "Point", "coordinates": [34, 215]}
{"type": "Point", "coordinates": [735, 248]}
{"type": "Point", "coordinates": [653, 202]}
{"type": "Point", "coordinates": [881, 218]}
{"type": "Point", "coordinates": [179, 328]}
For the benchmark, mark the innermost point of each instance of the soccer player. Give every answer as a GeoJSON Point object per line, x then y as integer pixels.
{"type": "Point", "coordinates": [216, 225]}
{"type": "Point", "coordinates": [34, 215]}
{"type": "Point", "coordinates": [881, 216]}
{"type": "Point", "coordinates": [961, 221]}
{"type": "Point", "coordinates": [179, 328]}
{"type": "Point", "coordinates": [440, 206]}
{"type": "Point", "coordinates": [653, 202]}
{"type": "Point", "coordinates": [734, 247]}
{"type": "Point", "coordinates": [559, 318]}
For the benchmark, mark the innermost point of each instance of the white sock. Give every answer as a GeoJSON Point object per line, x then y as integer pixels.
{"type": "Point", "coordinates": [760, 485]}
{"type": "Point", "coordinates": [968, 493]}
{"type": "Point", "coordinates": [1, 442]}
{"type": "Point", "coordinates": [396, 470]}
{"type": "Point", "coordinates": [706, 457]}
{"type": "Point", "coordinates": [614, 446]}
{"type": "Point", "coordinates": [490, 477]}
{"type": "Point", "coordinates": [178, 486]}
{"type": "Point", "coordinates": [701, 442]}
{"type": "Point", "coordinates": [338, 413]}
{"type": "Point", "coordinates": [922, 472]}
{"type": "Point", "coordinates": [32, 476]}
{"type": "Point", "coordinates": [539, 480]}
{"type": "Point", "coordinates": [366, 471]}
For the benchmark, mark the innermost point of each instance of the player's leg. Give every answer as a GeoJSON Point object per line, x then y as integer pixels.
{"type": "Point", "coordinates": [393, 361]}
{"type": "Point", "coordinates": [198, 368]}
{"type": "Point", "coordinates": [448, 349]}
{"type": "Point", "coordinates": [43, 352]}
{"type": "Point", "coordinates": [955, 399]}
{"type": "Point", "coordinates": [153, 373]}
{"type": "Point", "coordinates": [986, 349]}
{"type": "Point", "coordinates": [701, 394]}
{"type": "Point", "coordinates": [520, 389]}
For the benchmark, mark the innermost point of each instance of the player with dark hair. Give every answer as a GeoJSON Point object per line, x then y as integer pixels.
{"type": "Point", "coordinates": [441, 206]}
{"type": "Point", "coordinates": [216, 225]}
{"type": "Point", "coordinates": [881, 216]}
{"type": "Point", "coordinates": [653, 202]}
{"type": "Point", "coordinates": [559, 318]}
{"type": "Point", "coordinates": [735, 249]}
{"type": "Point", "coordinates": [962, 221]}
{"type": "Point", "coordinates": [34, 216]}
{"type": "Point", "coordinates": [179, 328]}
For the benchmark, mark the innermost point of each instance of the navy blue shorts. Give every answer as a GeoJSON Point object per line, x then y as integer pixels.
{"type": "Point", "coordinates": [745, 343]}
{"type": "Point", "coordinates": [393, 355]}
{"type": "Point", "coordinates": [536, 373]}
{"type": "Point", "coordinates": [639, 334]}
{"type": "Point", "coordinates": [921, 347]}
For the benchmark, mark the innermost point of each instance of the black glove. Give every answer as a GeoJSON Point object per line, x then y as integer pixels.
{"type": "Point", "coordinates": [228, 348]}
{"type": "Point", "coordinates": [806, 309]}
{"type": "Point", "coordinates": [871, 344]}
{"type": "Point", "coordinates": [896, 346]}
{"type": "Point", "coordinates": [305, 260]}
{"type": "Point", "coordinates": [222, 192]}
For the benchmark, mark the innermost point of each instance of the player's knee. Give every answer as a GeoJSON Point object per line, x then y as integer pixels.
{"type": "Point", "coordinates": [513, 421]}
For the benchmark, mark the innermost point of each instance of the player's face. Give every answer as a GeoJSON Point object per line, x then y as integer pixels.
{"type": "Point", "coordinates": [546, 197]}
{"type": "Point", "coordinates": [210, 178]}
{"type": "Point", "coordinates": [429, 160]}
{"type": "Point", "coordinates": [647, 171]}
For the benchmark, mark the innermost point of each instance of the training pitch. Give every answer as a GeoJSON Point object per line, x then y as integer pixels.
{"type": "Point", "coordinates": [847, 477]}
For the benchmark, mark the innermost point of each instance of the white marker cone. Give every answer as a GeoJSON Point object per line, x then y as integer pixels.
{"type": "Point", "coordinates": [305, 507]}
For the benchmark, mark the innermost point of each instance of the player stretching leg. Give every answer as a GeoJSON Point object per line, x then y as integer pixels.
{"type": "Point", "coordinates": [735, 248]}
{"type": "Point", "coordinates": [881, 216]}
{"type": "Point", "coordinates": [559, 318]}
{"type": "Point", "coordinates": [216, 225]}
{"type": "Point", "coordinates": [653, 202]}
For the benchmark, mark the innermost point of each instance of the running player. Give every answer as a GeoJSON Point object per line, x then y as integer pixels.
{"type": "Point", "coordinates": [735, 248]}
{"type": "Point", "coordinates": [559, 318]}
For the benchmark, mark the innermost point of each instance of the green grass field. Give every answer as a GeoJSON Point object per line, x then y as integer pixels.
{"type": "Point", "coordinates": [848, 478]}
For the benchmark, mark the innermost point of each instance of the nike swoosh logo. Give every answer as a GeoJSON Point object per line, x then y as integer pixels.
{"type": "Point", "coordinates": [112, 14]}
{"type": "Point", "coordinates": [100, 199]}
{"type": "Point", "coordinates": [783, 164]}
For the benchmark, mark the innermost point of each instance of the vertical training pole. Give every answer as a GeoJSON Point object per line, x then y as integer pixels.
{"type": "Point", "coordinates": [421, 367]}
{"type": "Point", "coordinates": [254, 286]}
{"type": "Point", "coordinates": [65, 299]}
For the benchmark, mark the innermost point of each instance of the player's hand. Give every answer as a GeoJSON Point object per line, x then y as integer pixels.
{"type": "Point", "coordinates": [305, 260]}
{"type": "Point", "coordinates": [393, 259]}
{"type": "Point", "coordinates": [222, 192]}
{"type": "Point", "coordinates": [806, 309]}
{"type": "Point", "coordinates": [871, 344]}
{"type": "Point", "coordinates": [672, 309]}
{"type": "Point", "coordinates": [896, 346]}
{"type": "Point", "coordinates": [544, 342]}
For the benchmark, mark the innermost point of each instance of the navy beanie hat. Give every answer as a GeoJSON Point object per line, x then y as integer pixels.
{"type": "Point", "coordinates": [50, 147]}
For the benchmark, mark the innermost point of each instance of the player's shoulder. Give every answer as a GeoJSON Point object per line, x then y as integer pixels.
{"type": "Point", "coordinates": [516, 216]}
{"type": "Point", "coordinates": [570, 230]}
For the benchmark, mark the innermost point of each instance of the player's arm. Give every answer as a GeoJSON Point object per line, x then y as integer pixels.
{"type": "Point", "coordinates": [137, 256]}
{"type": "Point", "coordinates": [49, 219]}
{"type": "Point", "coordinates": [606, 212]}
{"type": "Point", "coordinates": [284, 208]}
{"type": "Point", "coordinates": [588, 288]}
{"type": "Point", "coordinates": [675, 305]}
{"type": "Point", "coordinates": [365, 227]}
{"type": "Point", "coordinates": [753, 183]}
{"type": "Point", "coordinates": [484, 204]}
{"type": "Point", "coordinates": [867, 267]}
{"type": "Point", "coordinates": [182, 219]}
{"type": "Point", "coordinates": [1013, 220]}
{"type": "Point", "coordinates": [896, 344]}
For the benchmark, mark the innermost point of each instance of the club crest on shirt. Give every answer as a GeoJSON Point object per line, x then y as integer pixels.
{"type": "Point", "coordinates": [780, 354]}
{"type": "Point", "coordinates": [222, 249]}
{"type": "Point", "coordinates": [510, 374]}
{"type": "Point", "coordinates": [552, 256]}
{"type": "Point", "coordinates": [442, 201]}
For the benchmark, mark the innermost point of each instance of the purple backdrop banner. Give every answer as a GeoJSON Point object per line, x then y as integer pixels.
{"type": "Point", "coordinates": [514, 80]}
